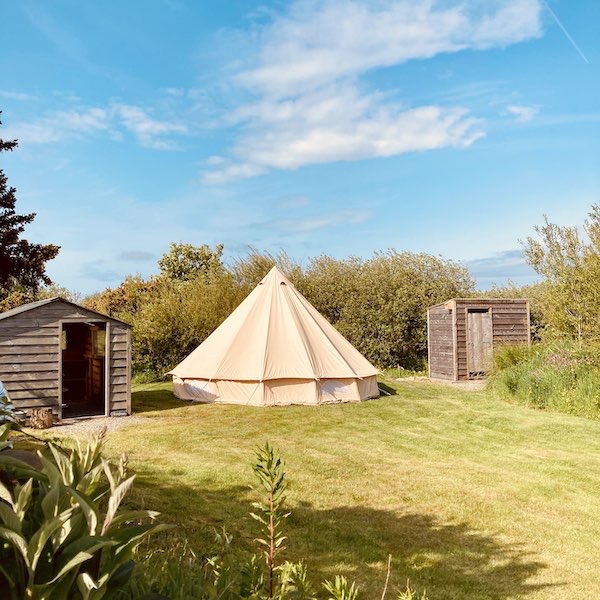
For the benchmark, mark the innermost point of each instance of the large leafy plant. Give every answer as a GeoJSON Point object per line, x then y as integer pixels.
{"type": "Point", "coordinates": [64, 532]}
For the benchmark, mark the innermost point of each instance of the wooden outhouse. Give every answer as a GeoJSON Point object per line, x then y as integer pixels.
{"type": "Point", "coordinates": [462, 334]}
{"type": "Point", "coordinates": [59, 355]}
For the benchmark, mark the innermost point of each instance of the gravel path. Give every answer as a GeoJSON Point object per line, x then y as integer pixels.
{"type": "Point", "coordinates": [95, 424]}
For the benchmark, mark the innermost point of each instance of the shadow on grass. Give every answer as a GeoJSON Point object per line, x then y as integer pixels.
{"type": "Point", "coordinates": [449, 561]}
{"type": "Point", "coordinates": [388, 389]}
{"type": "Point", "coordinates": [154, 397]}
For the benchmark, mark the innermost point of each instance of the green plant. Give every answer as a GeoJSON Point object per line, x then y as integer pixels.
{"type": "Point", "coordinates": [8, 422]}
{"type": "Point", "coordinates": [411, 594]}
{"type": "Point", "coordinates": [341, 589]}
{"type": "Point", "coordinates": [65, 534]}
{"type": "Point", "coordinates": [510, 355]}
{"type": "Point", "coordinates": [270, 472]}
{"type": "Point", "coordinates": [570, 265]}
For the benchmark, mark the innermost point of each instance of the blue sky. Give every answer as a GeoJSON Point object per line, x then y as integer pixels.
{"type": "Point", "coordinates": [338, 128]}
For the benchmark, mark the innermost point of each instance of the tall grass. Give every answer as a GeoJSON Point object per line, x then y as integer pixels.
{"type": "Point", "coordinates": [559, 376]}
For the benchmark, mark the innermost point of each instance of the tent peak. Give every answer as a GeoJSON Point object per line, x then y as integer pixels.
{"type": "Point", "coordinates": [275, 275]}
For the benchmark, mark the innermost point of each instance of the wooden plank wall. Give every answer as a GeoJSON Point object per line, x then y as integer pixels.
{"type": "Point", "coordinates": [29, 356]}
{"type": "Point", "coordinates": [29, 353]}
{"type": "Point", "coordinates": [119, 368]}
{"type": "Point", "coordinates": [510, 324]}
{"type": "Point", "coordinates": [441, 343]}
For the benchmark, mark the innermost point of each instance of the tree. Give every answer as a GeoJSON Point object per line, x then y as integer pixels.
{"type": "Point", "coordinates": [570, 265]}
{"type": "Point", "coordinates": [184, 262]}
{"type": "Point", "coordinates": [22, 264]}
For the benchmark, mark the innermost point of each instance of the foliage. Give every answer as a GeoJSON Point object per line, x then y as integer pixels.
{"type": "Point", "coordinates": [170, 318]}
{"type": "Point", "coordinates": [380, 305]}
{"type": "Point", "coordinates": [124, 301]}
{"type": "Point", "coordinates": [560, 376]}
{"type": "Point", "coordinates": [571, 268]}
{"type": "Point", "coordinates": [269, 470]}
{"type": "Point", "coordinates": [175, 321]}
{"type": "Point", "coordinates": [411, 594]}
{"type": "Point", "coordinates": [511, 355]}
{"type": "Point", "coordinates": [340, 589]}
{"type": "Point", "coordinates": [22, 264]}
{"type": "Point", "coordinates": [249, 270]}
{"type": "Point", "coordinates": [185, 262]}
{"type": "Point", "coordinates": [65, 535]}
{"type": "Point", "coordinates": [9, 422]}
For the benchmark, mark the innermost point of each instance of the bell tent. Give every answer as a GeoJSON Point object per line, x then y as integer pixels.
{"type": "Point", "coordinates": [275, 348]}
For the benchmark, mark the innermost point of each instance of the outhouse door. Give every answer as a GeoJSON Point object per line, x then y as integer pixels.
{"type": "Point", "coordinates": [479, 341]}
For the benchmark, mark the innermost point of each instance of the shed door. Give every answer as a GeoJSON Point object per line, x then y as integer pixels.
{"type": "Point", "coordinates": [83, 360]}
{"type": "Point", "coordinates": [479, 342]}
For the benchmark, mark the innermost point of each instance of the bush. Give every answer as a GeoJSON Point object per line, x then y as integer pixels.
{"type": "Point", "coordinates": [380, 305]}
{"type": "Point", "coordinates": [560, 376]}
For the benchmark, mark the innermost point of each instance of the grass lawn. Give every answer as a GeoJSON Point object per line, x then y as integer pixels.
{"type": "Point", "coordinates": [473, 497]}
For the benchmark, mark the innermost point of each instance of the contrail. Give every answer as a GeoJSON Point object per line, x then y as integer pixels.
{"type": "Point", "coordinates": [574, 44]}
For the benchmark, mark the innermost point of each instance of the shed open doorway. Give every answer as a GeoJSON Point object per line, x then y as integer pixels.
{"type": "Point", "coordinates": [83, 349]}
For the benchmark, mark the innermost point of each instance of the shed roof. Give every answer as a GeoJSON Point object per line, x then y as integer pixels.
{"type": "Point", "coordinates": [33, 305]}
{"type": "Point", "coordinates": [481, 301]}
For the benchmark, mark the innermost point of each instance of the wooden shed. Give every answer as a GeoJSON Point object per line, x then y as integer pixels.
{"type": "Point", "coordinates": [462, 334]}
{"type": "Point", "coordinates": [58, 355]}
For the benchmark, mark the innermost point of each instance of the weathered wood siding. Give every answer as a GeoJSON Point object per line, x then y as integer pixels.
{"type": "Point", "coordinates": [510, 324]}
{"type": "Point", "coordinates": [119, 367]}
{"type": "Point", "coordinates": [30, 356]}
{"type": "Point", "coordinates": [440, 332]}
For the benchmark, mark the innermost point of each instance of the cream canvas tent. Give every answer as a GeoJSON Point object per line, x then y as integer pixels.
{"type": "Point", "coordinates": [275, 348]}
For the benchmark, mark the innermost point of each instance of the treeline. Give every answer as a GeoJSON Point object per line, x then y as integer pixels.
{"type": "Point", "coordinates": [379, 304]}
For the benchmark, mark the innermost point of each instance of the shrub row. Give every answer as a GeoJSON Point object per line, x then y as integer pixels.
{"type": "Point", "coordinates": [379, 304]}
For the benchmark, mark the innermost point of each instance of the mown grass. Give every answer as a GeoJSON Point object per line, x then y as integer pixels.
{"type": "Point", "coordinates": [475, 499]}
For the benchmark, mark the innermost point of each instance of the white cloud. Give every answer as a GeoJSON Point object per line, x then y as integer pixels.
{"type": "Point", "coordinates": [307, 224]}
{"type": "Point", "coordinates": [112, 120]}
{"type": "Point", "coordinates": [339, 124]}
{"type": "Point", "coordinates": [10, 95]}
{"type": "Point", "coordinates": [62, 125]}
{"type": "Point", "coordinates": [522, 113]}
{"type": "Point", "coordinates": [84, 121]}
{"type": "Point", "coordinates": [232, 172]}
{"type": "Point", "coordinates": [312, 105]}
{"type": "Point", "coordinates": [320, 41]}
{"type": "Point", "coordinates": [147, 130]}
{"type": "Point", "coordinates": [501, 269]}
